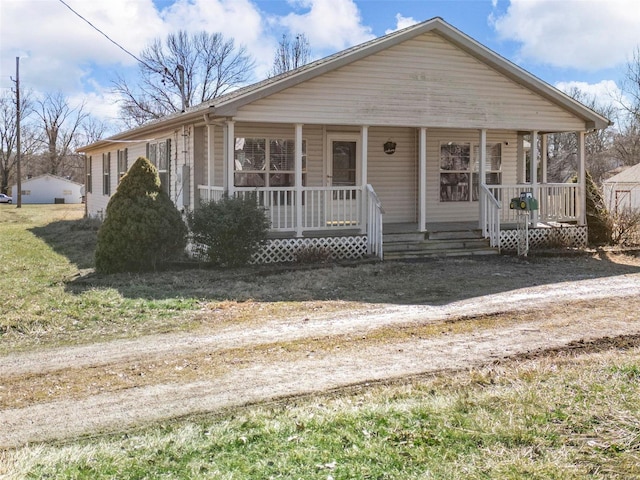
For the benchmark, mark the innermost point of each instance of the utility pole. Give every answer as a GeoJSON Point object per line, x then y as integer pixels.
{"type": "Point", "coordinates": [18, 114]}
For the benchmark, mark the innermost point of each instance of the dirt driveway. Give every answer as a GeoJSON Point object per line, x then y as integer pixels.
{"type": "Point", "coordinates": [60, 394]}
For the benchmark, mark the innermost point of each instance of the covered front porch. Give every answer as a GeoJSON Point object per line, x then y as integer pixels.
{"type": "Point", "coordinates": [312, 208]}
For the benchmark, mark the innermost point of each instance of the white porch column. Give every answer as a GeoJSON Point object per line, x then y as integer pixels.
{"type": "Point", "coordinates": [211, 133]}
{"type": "Point", "coordinates": [364, 152]}
{"type": "Point", "coordinates": [422, 182]}
{"type": "Point", "coordinates": [534, 173]}
{"type": "Point", "coordinates": [482, 158]}
{"type": "Point", "coordinates": [229, 160]}
{"type": "Point", "coordinates": [521, 174]}
{"type": "Point", "coordinates": [298, 178]}
{"type": "Point", "coordinates": [581, 211]}
{"type": "Point", "coordinates": [543, 157]}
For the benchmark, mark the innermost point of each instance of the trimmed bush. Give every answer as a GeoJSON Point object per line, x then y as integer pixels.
{"type": "Point", "coordinates": [230, 231]}
{"type": "Point", "coordinates": [142, 227]}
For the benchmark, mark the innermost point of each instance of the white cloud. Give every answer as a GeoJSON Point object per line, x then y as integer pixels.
{"type": "Point", "coordinates": [328, 24]}
{"type": "Point", "coordinates": [60, 52]}
{"type": "Point", "coordinates": [402, 22]}
{"type": "Point", "coordinates": [607, 95]}
{"type": "Point", "coordinates": [582, 34]}
{"type": "Point", "coordinates": [604, 89]}
{"type": "Point", "coordinates": [59, 47]}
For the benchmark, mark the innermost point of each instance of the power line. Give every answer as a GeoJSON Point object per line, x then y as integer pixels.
{"type": "Point", "coordinates": [110, 39]}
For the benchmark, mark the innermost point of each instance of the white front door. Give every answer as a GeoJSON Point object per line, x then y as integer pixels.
{"type": "Point", "coordinates": [343, 171]}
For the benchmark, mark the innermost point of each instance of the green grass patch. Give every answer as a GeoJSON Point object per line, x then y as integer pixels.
{"type": "Point", "coordinates": [553, 418]}
{"type": "Point", "coordinates": [43, 249]}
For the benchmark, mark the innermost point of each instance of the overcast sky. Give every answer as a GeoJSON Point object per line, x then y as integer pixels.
{"type": "Point", "coordinates": [564, 42]}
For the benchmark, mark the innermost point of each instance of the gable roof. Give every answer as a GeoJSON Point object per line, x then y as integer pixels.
{"type": "Point", "coordinates": [629, 175]}
{"type": "Point", "coordinates": [53, 177]}
{"type": "Point", "coordinates": [228, 104]}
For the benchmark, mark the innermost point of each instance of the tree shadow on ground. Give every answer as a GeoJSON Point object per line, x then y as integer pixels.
{"type": "Point", "coordinates": [73, 239]}
{"type": "Point", "coordinates": [435, 281]}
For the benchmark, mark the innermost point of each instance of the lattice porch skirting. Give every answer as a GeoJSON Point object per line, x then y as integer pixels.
{"type": "Point", "coordinates": [283, 250]}
{"type": "Point", "coordinates": [547, 237]}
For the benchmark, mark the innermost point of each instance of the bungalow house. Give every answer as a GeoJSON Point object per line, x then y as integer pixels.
{"type": "Point", "coordinates": [419, 132]}
{"type": "Point", "coordinates": [49, 188]}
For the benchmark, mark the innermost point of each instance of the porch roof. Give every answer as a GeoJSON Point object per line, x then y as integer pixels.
{"type": "Point", "coordinates": [227, 105]}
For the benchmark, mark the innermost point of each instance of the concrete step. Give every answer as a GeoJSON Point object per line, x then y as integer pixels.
{"type": "Point", "coordinates": [413, 245]}
{"type": "Point", "coordinates": [404, 237]}
{"type": "Point", "coordinates": [417, 254]}
{"type": "Point", "coordinates": [457, 234]}
{"type": "Point", "coordinates": [428, 245]}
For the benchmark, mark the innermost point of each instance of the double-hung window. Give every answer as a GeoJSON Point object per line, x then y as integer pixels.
{"type": "Point", "coordinates": [265, 162]}
{"type": "Point", "coordinates": [122, 163]}
{"type": "Point", "coordinates": [460, 168]}
{"type": "Point", "coordinates": [159, 154]}
{"type": "Point", "coordinates": [106, 173]}
{"type": "Point", "coordinates": [89, 163]}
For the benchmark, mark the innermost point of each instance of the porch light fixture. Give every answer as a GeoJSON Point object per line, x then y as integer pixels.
{"type": "Point", "coordinates": [389, 147]}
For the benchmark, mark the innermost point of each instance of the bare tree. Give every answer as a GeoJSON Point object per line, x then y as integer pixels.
{"type": "Point", "coordinates": [61, 127]}
{"type": "Point", "coordinates": [183, 71]}
{"type": "Point", "coordinates": [627, 140]}
{"type": "Point", "coordinates": [9, 135]}
{"type": "Point", "coordinates": [563, 147]}
{"type": "Point", "coordinates": [630, 88]}
{"type": "Point", "coordinates": [290, 54]}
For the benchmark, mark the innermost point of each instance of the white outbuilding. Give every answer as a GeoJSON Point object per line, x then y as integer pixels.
{"type": "Point", "coordinates": [49, 188]}
{"type": "Point", "coordinates": [622, 191]}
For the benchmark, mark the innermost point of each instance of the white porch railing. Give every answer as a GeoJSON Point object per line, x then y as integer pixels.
{"type": "Point", "coordinates": [323, 208]}
{"type": "Point", "coordinates": [210, 194]}
{"type": "Point", "coordinates": [490, 216]}
{"type": "Point", "coordinates": [557, 202]}
{"type": "Point", "coordinates": [374, 223]}
{"type": "Point", "coordinates": [332, 208]}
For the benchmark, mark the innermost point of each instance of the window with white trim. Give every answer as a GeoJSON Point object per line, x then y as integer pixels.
{"type": "Point", "coordinates": [265, 162]}
{"type": "Point", "coordinates": [459, 170]}
{"type": "Point", "coordinates": [106, 173]}
{"type": "Point", "coordinates": [89, 183]}
{"type": "Point", "coordinates": [122, 163]}
{"type": "Point", "coordinates": [159, 154]}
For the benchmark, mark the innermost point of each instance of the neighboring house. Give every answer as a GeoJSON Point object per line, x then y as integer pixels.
{"type": "Point", "coordinates": [622, 191]}
{"type": "Point", "coordinates": [49, 188]}
{"type": "Point", "coordinates": [422, 129]}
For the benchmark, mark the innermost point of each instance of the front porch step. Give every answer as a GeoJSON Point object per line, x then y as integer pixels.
{"type": "Point", "coordinates": [412, 245]}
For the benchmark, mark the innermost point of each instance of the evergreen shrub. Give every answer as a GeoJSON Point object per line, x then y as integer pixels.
{"type": "Point", "coordinates": [230, 231]}
{"type": "Point", "coordinates": [142, 227]}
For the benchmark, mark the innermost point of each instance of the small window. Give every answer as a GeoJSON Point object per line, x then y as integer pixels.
{"type": "Point", "coordinates": [159, 154]}
{"type": "Point", "coordinates": [89, 164]}
{"type": "Point", "coordinates": [122, 163]}
{"type": "Point", "coordinates": [106, 169]}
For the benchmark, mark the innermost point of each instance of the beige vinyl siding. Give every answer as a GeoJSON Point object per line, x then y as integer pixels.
{"type": "Point", "coordinates": [96, 201]}
{"type": "Point", "coordinates": [422, 82]}
{"type": "Point", "coordinates": [394, 177]}
{"type": "Point", "coordinates": [438, 211]}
